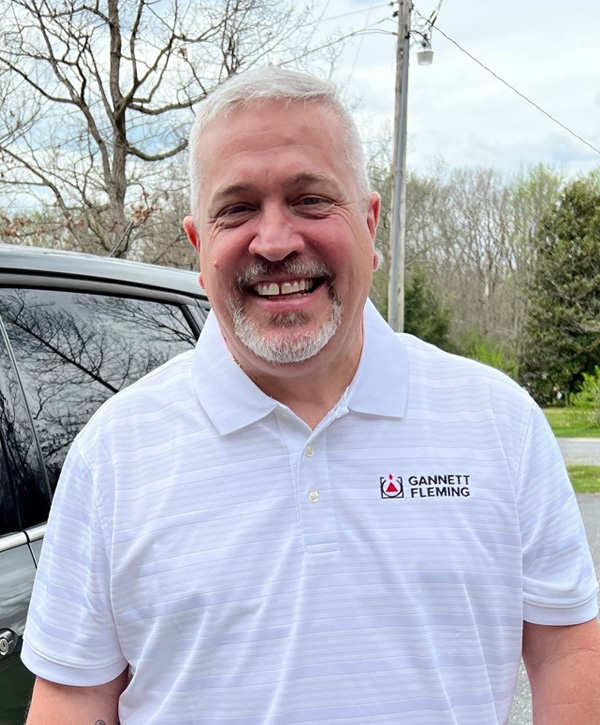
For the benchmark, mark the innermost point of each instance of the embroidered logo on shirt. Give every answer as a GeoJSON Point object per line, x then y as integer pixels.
{"type": "Point", "coordinates": [391, 487]}
{"type": "Point", "coordinates": [440, 485]}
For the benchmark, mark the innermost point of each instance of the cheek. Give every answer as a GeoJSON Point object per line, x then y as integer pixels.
{"type": "Point", "coordinates": [220, 268]}
{"type": "Point", "coordinates": [355, 252]}
{"type": "Point", "coordinates": [209, 261]}
{"type": "Point", "coordinates": [336, 242]}
{"type": "Point", "coordinates": [223, 253]}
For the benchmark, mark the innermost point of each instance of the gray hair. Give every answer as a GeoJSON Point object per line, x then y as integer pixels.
{"type": "Point", "coordinates": [274, 84]}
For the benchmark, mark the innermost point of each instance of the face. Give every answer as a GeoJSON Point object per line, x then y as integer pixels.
{"type": "Point", "coordinates": [285, 242]}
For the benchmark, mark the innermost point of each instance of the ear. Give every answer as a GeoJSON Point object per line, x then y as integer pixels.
{"type": "Point", "coordinates": [373, 207]}
{"type": "Point", "coordinates": [376, 261]}
{"type": "Point", "coordinates": [191, 233]}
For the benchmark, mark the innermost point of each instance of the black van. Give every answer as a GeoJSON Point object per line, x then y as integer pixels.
{"type": "Point", "coordinates": [74, 329]}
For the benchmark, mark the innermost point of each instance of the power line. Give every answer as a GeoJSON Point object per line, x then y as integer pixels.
{"type": "Point", "coordinates": [360, 42]}
{"type": "Point", "coordinates": [434, 15]}
{"type": "Point", "coordinates": [368, 31]}
{"type": "Point", "coordinates": [365, 31]}
{"type": "Point", "coordinates": [345, 15]}
{"type": "Point", "coordinates": [316, 23]}
{"type": "Point", "coordinates": [522, 95]}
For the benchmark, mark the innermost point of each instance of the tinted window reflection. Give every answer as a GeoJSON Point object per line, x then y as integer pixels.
{"type": "Point", "coordinates": [20, 465]}
{"type": "Point", "coordinates": [8, 513]}
{"type": "Point", "coordinates": [75, 350]}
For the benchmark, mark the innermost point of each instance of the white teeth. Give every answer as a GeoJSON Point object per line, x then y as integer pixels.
{"type": "Point", "coordinates": [272, 289]}
{"type": "Point", "coordinates": [288, 288]}
{"type": "Point", "coordinates": [266, 289]}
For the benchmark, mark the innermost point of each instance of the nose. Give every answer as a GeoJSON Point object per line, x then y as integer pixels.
{"type": "Point", "coordinates": [276, 236]}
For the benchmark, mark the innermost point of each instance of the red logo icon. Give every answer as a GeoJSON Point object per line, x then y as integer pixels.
{"type": "Point", "coordinates": [391, 486]}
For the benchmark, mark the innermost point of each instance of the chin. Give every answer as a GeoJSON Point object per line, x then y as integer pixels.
{"type": "Point", "coordinates": [286, 347]}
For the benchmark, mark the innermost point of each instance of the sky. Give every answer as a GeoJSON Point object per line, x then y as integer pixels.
{"type": "Point", "coordinates": [459, 113]}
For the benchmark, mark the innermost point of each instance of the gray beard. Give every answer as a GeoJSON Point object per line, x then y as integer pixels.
{"type": "Point", "coordinates": [284, 349]}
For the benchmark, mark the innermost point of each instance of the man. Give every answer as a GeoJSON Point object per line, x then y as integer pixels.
{"type": "Point", "coordinates": [311, 520]}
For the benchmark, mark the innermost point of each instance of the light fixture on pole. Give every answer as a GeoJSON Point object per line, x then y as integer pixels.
{"type": "Point", "coordinates": [425, 53]}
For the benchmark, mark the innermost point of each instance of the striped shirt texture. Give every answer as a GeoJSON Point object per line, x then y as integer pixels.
{"type": "Point", "coordinates": [251, 571]}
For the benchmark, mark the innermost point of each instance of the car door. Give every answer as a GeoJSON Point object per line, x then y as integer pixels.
{"type": "Point", "coordinates": [24, 501]}
{"type": "Point", "coordinates": [73, 349]}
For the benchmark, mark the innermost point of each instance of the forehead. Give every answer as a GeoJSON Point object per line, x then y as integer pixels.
{"type": "Point", "coordinates": [268, 140]}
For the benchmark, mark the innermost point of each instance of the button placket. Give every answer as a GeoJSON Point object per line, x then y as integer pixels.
{"type": "Point", "coordinates": [316, 503]}
{"type": "Point", "coordinates": [308, 457]}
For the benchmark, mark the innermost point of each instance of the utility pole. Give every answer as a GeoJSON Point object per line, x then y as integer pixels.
{"type": "Point", "coordinates": [398, 226]}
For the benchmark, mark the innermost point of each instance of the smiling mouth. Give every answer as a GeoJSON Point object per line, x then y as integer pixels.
{"type": "Point", "coordinates": [290, 287]}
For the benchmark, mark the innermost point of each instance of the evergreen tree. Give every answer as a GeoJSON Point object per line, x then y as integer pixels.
{"type": "Point", "coordinates": [425, 316]}
{"type": "Point", "coordinates": [562, 332]}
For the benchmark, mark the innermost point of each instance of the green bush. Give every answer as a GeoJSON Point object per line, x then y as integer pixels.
{"type": "Point", "coordinates": [491, 352]}
{"type": "Point", "coordinates": [588, 397]}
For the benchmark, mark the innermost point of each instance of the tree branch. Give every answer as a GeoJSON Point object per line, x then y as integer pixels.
{"type": "Point", "coordinates": [161, 156]}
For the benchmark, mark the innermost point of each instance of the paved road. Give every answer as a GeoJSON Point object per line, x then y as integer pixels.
{"type": "Point", "coordinates": [584, 451]}
{"type": "Point", "coordinates": [589, 504]}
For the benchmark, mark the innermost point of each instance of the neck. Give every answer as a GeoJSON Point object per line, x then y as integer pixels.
{"type": "Point", "coordinates": [311, 388]}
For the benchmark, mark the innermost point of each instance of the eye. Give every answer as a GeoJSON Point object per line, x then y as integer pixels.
{"type": "Point", "coordinates": [312, 201]}
{"type": "Point", "coordinates": [234, 209]}
{"type": "Point", "coordinates": [313, 205]}
{"type": "Point", "coordinates": [233, 215]}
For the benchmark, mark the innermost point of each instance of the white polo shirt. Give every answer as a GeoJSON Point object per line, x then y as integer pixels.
{"type": "Point", "coordinates": [251, 571]}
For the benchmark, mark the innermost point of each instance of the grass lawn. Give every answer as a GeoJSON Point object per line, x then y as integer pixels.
{"type": "Point", "coordinates": [585, 479]}
{"type": "Point", "coordinates": [570, 423]}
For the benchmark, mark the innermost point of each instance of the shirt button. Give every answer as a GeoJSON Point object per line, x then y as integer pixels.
{"type": "Point", "coordinates": [313, 497]}
{"type": "Point", "coordinates": [309, 451]}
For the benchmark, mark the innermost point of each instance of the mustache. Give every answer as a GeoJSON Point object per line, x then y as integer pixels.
{"type": "Point", "coordinates": [290, 268]}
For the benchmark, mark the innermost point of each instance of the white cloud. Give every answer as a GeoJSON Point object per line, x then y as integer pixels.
{"type": "Point", "coordinates": [459, 111]}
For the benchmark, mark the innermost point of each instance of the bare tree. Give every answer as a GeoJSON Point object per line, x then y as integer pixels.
{"type": "Point", "coordinates": [470, 232]}
{"type": "Point", "coordinates": [534, 194]}
{"type": "Point", "coordinates": [479, 233]}
{"type": "Point", "coordinates": [97, 97]}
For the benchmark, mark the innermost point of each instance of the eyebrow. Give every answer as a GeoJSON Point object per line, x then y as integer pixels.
{"type": "Point", "coordinates": [308, 177]}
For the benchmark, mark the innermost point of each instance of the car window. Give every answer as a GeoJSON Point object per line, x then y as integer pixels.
{"type": "Point", "coordinates": [21, 468]}
{"type": "Point", "coordinates": [74, 350]}
{"type": "Point", "coordinates": [8, 512]}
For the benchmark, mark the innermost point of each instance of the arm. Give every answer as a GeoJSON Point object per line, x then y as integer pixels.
{"type": "Point", "coordinates": [52, 703]}
{"type": "Point", "coordinates": [563, 665]}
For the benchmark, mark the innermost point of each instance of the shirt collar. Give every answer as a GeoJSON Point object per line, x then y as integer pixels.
{"type": "Point", "coordinates": [380, 386]}
{"type": "Point", "coordinates": [232, 401]}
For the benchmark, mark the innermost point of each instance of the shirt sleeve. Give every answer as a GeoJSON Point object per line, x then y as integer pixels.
{"type": "Point", "coordinates": [559, 583]}
{"type": "Point", "coordinates": [70, 635]}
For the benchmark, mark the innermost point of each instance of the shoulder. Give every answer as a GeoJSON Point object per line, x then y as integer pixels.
{"type": "Point", "coordinates": [154, 399]}
{"type": "Point", "coordinates": [430, 364]}
{"type": "Point", "coordinates": [461, 391]}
